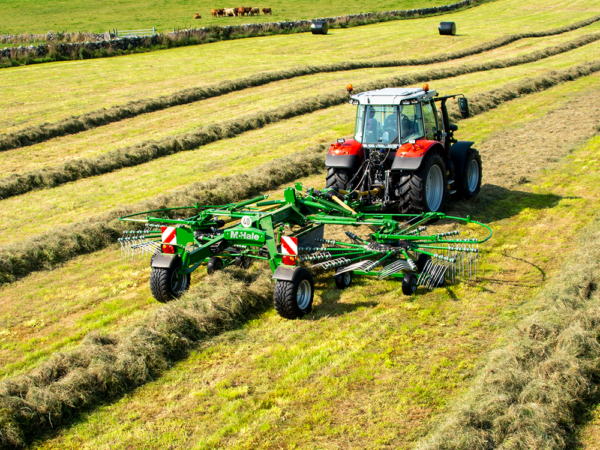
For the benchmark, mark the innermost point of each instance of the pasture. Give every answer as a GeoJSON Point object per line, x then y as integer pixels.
{"type": "Point", "coordinates": [370, 367]}
{"type": "Point", "coordinates": [16, 16]}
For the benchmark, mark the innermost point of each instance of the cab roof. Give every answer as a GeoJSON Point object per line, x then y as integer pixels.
{"type": "Point", "coordinates": [392, 96]}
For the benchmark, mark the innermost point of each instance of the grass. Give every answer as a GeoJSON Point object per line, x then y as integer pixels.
{"type": "Point", "coordinates": [131, 15]}
{"type": "Point", "coordinates": [382, 364]}
{"type": "Point", "coordinates": [40, 93]}
{"type": "Point", "coordinates": [93, 119]}
{"type": "Point", "coordinates": [50, 298]}
{"type": "Point", "coordinates": [91, 196]}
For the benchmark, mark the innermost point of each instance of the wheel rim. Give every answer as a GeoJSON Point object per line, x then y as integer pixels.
{"type": "Point", "coordinates": [347, 278]}
{"type": "Point", "coordinates": [178, 282]}
{"type": "Point", "coordinates": [303, 294]}
{"type": "Point", "coordinates": [434, 188]}
{"type": "Point", "coordinates": [472, 175]}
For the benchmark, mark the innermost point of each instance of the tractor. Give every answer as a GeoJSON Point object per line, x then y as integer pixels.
{"type": "Point", "coordinates": [404, 153]}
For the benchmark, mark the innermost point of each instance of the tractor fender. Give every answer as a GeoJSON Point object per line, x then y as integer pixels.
{"type": "Point", "coordinates": [162, 261]}
{"type": "Point", "coordinates": [458, 154]}
{"type": "Point", "coordinates": [286, 273]}
{"type": "Point", "coordinates": [349, 162]}
{"type": "Point", "coordinates": [410, 156]}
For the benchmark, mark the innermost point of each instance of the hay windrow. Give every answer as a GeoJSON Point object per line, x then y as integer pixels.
{"type": "Point", "coordinates": [532, 391]}
{"type": "Point", "coordinates": [18, 184]}
{"type": "Point", "coordinates": [47, 250]}
{"type": "Point", "coordinates": [76, 124]}
{"type": "Point", "coordinates": [105, 367]}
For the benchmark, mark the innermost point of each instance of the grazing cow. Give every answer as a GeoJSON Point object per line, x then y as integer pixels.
{"type": "Point", "coordinates": [256, 11]}
{"type": "Point", "coordinates": [241, 11]}
{"type": "Point", "coordinates": [198, 16]}
{"type": "Point", "coordinates": [248, 11]}
{"type": "Point", "coordinates": [230, 12]}
{"type": "Point", "coordinates": [267, 11]}
{"type": "Point", "coordinates": [213, 12]}
{"type": "Point", "coordinates": [221, 12]}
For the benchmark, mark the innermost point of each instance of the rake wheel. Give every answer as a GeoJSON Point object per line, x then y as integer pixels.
{"type": "Point", "coordinates": [168, 284]}
{"type": "Point", "coordinates": [293, 299]}
{"type": "Point", "coordinates": [215, 263]}
{"type": "Point", "coordinates": [343, 280]}
{"type": "Point", "coordinates": [409, 284]}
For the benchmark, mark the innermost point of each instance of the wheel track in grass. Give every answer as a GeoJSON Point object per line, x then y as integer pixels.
{"type": "Point", "coordinates": [49, 249]}
{"type": "Point", "coordinates": [105, 367]}
{"type": "Point", "coordinates": [94, 119]}
{"type": "Point", "coordinates": [143, 152]}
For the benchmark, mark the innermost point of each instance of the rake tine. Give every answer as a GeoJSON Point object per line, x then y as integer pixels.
{"type": "Point", "coordinates": [424, 273]}
{"type": "Point", "coordinates": [356, 266]}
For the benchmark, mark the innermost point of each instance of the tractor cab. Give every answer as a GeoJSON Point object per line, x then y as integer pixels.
{"type": "Point", "coordinates": [404, 148]}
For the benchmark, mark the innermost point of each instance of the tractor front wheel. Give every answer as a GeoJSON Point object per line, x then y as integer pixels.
{"type": "Point", "coordinates": [425, 189]}
{"type": "Point", "coordinates": [338, 178]}
{"type": "Point", "coordinates": [293, 299]}
{"type": "Point", "coordinates": [470, 177]}
{"type": "Point", "coordinates": [168, 284]}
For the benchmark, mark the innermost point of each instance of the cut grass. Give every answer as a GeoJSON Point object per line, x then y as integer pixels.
{"type": "Point", "coordinates": [40, 312]}
{"type": "Point", "coordinates": [382, 364]}
{"type": "Point", "coordinates": [103, 117]}
{"type": "Point", "coordinates": [182, 119]}
{"type": "Point", "coordinates": [39, 93]}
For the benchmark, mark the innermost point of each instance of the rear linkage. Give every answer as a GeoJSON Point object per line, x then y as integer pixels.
{"type": "Point", "coordinates": [289, 235]}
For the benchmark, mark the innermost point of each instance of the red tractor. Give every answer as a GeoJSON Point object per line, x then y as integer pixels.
{"type": "Point", "coordinates": [404, 153]}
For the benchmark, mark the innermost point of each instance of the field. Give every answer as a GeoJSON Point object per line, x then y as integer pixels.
{"type": "Point", "coordinates": [370, 367]}
{"type": "Point", "coordinates": [15, 15]}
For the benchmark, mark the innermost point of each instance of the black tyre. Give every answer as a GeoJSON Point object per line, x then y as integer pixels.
{"type": "Point", "coordinates": [168, 284]}
{"type": "Point", "coordinates": [422, 262]}
{"type": "Point", "coordinates": [343, 280]}
{"type": "Point", "coordinates": [425, 189]}
{"type": "Point", "coordinates": [469, 182]}
{"type": "Point", "coordinates": [243, 262]}
{"type": "Point", "coordinates": [294, 299]}
{"type": "Point", "coordinates": [338, 178]}
{"type": "Point", "coordinates": [409, 284]}
{"type": "Point", "coordinates": [215, 263]}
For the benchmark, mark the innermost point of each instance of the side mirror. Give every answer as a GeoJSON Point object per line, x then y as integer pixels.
{"type": "Point", "coordinates": [463, 107]}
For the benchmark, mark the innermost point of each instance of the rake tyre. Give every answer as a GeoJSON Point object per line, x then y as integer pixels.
{"type": "Point", "coordinates": [424, 190]}
{"type": "Point", "coordinates": [343, 280]}
{"type": "Point", "coordinates": [294, 299]}
{"type": "Point", "coordinates": [214, 263]}
{"type": "Point", "coordinates": [338, 178]}
{"type": "Point", "coordinates": [409, 284]}
{"type": "Point", "coordinates": [469, 183]}
{"type": "Point", "coordinates": [167, 284]}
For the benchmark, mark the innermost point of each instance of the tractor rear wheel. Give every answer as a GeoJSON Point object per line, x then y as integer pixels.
{"type": "Point", "coordinates": [425, 189]}
{"type": "Point", "coordinates": [469, 182]}
{"type": "Point", "coordinates": [293, 299]}
{"type": "Point", "coordinates": [168, 284]}
{"type": "Point", "coordinates": [338, 178]}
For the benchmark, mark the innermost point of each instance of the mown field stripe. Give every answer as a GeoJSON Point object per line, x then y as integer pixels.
{"type": "Point", "coordinates": [46, 250]}
{"type": "Point", "coordinates": [94, 119]}
{"type": "Point", "coordinates": [532, 391]}
{"type": "Point", "coordinates": [106, 367]}
{"type": "Point", "coordinates": [50, 177]}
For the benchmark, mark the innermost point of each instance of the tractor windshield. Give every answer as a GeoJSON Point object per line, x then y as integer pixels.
{"type": "Point", "coordinates": [377, 125]}
{"type": "Point", "coordinates": [411, 122]}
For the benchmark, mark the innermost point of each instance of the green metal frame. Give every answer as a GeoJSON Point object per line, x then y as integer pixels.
{"type": "Point", "coordinates": [203, 235]}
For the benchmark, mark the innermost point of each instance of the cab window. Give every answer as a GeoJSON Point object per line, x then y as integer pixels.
{"type": "Point", "coordinates": [411, 122]}
{"type": "Point", "coordinates": [429, 117]}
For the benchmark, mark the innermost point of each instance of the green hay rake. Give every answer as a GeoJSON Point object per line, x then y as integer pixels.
{"type": "Point", "coordinates": [289, 235]}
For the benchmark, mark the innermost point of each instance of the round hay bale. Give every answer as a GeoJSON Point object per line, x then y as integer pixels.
{"type": "Point", "coordinates": [447, 28]}
{"type": "Point", "coordinates": [319, 27]}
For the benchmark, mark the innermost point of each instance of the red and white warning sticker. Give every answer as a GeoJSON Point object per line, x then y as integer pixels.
{"type": "Point", "coordinates": [169, 235]}
{"type": "Point", "coordinates": [289, 245]}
